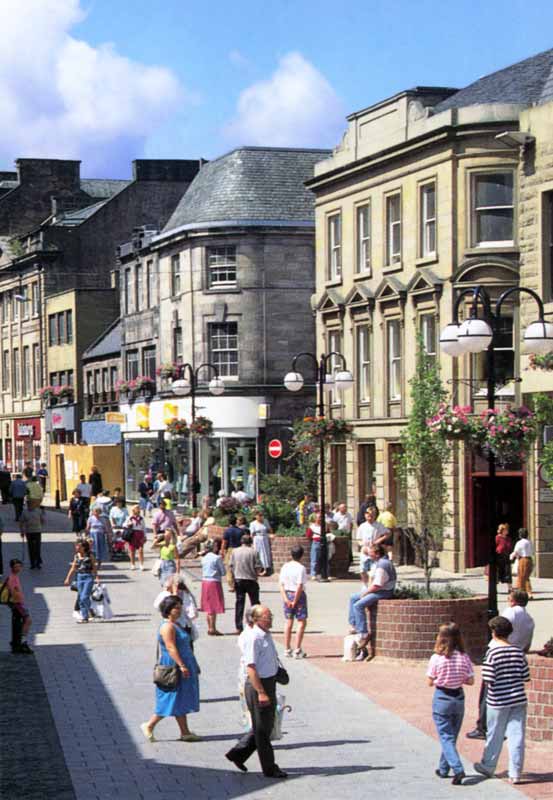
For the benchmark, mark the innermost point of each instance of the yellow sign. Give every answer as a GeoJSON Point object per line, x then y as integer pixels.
{"type": "Point", "coordinates": [170, 412]}
{"type": "Point", "coordinates": [143, 416]}
{"type": "Point", "coordinates": [116, 417]}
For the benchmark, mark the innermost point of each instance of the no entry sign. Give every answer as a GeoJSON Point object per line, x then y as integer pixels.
{"type": "Point", "coordinates": [275, 448]}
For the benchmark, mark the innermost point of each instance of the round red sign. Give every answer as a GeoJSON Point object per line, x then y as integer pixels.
{"type": "Point", "coordinates": [275, 448]}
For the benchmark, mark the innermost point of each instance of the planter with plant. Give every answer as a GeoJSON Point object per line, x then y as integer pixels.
{"type": "Point", "coordinates": [168, 371]}
{"type": "Point", "coordinates": [178, 427]}
{"type": "Point", "coordinates": [544, 361]}
{"type": "Point", "coordinates": [48, 395]}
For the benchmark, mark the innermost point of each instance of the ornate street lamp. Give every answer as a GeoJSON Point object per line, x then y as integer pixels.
{"type": "Point", "coordinates": [475, 335]}
{"type": "Point", "coordinates": [188, 385]}
{"type": "Point", "coordinates": [326, 381]}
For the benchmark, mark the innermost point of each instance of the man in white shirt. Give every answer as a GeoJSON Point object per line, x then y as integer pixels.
{"type": "Point", "coordinates": [292, 580]}
{"type": "Point", "coordinates": [520, 619]}
{"type": "Point", "coordinates": [368, 533]}
{"type": "Point", "coordinates": [343, 519]}
{"type": "Point", "coordinates": [261, 659]}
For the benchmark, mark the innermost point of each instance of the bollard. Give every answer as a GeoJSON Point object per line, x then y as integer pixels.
{"type": "Point", "coordinates": [57, 503]}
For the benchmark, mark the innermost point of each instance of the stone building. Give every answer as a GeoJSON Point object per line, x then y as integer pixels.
{"type": "Point", "coordinates": [101, 364]}
{"type": "Point", "coordinates": [425, 196]}
{"type": "Point", "coordinates": [227, 281]}
{"type": "Point", "coordinates": [58, 235]}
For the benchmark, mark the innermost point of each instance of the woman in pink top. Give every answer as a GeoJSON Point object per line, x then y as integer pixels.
{"type": "Point", "coordinates": [449, 668]}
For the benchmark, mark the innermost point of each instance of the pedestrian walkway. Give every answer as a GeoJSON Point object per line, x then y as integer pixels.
{"type": "Point", "coordinates": [338, 742]}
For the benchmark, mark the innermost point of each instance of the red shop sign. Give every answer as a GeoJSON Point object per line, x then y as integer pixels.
{"type": "Point", "coordinates": [27, 428]}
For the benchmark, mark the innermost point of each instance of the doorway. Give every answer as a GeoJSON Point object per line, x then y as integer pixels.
{"type": "Point", "coordinates": [511, 508]}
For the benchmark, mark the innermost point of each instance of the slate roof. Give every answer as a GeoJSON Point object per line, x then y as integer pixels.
{"type": "Point", "coordinates": [526, 82]}
{"type": "Point", "coordinates": [107, 344]}
{"type": "Point", "coordinates": [251, 186]}
{"type": "Point", "coordinates": [102, 188]}
{"type": "Point", "coordinates": [72, 218]}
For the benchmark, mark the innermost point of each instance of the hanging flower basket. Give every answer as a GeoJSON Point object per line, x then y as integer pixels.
{"type": "Point", "coordinates": [178, 427]}
{"type": "Point", "coordinates": [543, 362]}
{"type": "Point", "coordinates": [143, 385]}
{"type": "Point", "coordinates": [453, 423]}
{"type": "Point", "coordinates": [325, 428]}
{"type": "Point", "coordinates": [509, 433]}
{"type": "Point", "coordinates": [202, 426]}
{"type": "Point", "coordinates": [47, 393]}
{"type": "Point", "coordinates": [169, 371]}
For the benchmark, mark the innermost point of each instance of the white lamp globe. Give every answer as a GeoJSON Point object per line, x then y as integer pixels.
{"type": "Point", "coordinates": [293, 381]}
{"type": "Point", "coordinates": [216, 386]}
{"type": "Point", "coordinates": [181, 387]}
{"type": "Point", "coordinates": [475, 335]}
{"type": "Point", "coordinates": [538, 338]}
{"type": "Point", "coordinates": [328, 384]}
{"type": "Point", "coordinates": [343, 380]}
{"type": "Point", "coordinates": [449, 341]}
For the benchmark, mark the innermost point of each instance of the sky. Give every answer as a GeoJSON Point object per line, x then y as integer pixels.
{"type": "Point", "coordinates": [108, 81]}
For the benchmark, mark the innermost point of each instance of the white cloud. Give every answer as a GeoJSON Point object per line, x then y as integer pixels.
{"type": "Point", "coordinates": [295, 107]}
{"type": "Point", "coordinates": [62, 98]}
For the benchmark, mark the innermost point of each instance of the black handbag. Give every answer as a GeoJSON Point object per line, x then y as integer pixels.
{"type": "Point", "coordinates": [282, 675]}
{"type": "Point", "coordinates": [166, 677]}
{"type": "Point", "coordinates": [127, 535]}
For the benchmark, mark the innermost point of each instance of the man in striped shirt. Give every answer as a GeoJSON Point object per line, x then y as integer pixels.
{"type": "Point", "coordinates": [505, 672]}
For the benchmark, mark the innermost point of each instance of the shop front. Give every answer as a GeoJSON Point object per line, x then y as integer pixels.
{"type": "Point", "coordinates": [226, 459]}
{"type": "Point", "coordinates": [27, 439]}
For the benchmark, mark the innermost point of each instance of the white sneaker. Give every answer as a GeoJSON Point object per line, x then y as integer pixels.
{"type": "Point", "coordinates": [142, 567]}
{"type": "Point", "coordinates": [133, 566]}
{"type": "Point", "coordinates": [299, 653]}
{"type": "Point", "coordinates": [288, 653]}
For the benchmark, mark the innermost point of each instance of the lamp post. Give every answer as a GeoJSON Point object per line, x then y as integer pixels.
{"type": "Point", "coordinates": [184, 386]}
{"type": "Point", "coordinates": [325, 382]}
{"type": "Point", "coordinates": [476, 335]}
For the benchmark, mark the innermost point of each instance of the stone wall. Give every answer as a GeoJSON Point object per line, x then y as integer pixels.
{"type": "Point", "coordinates": [539, 725]}
{"type": "Point", "coordinates": [407, 629]}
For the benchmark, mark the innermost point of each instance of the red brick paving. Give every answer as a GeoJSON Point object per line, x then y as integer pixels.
{"type": "Point", "coordinates": [401, 688]}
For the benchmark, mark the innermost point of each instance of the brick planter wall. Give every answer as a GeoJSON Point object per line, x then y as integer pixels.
{"type": "Point", "coordinates": [282, 545]}
{"type": "Point", "coordinates": [406, 629]}
{"type": "Point", "coordinates": [539, 726]}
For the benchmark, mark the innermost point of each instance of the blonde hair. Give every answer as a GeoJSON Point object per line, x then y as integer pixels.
{"type": "Point", "coordinates": [136, 511]}
{"type": "Point", "coordinates": [448, 640]}
{"type": "Point", "coordinates": [503, 528]}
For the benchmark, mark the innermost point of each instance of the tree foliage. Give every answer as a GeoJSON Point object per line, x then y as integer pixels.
{"type": "Point", "coordinates": [420, 465]}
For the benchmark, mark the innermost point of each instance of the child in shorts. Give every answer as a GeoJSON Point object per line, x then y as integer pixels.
{"type": "Point", "coordinates": [292, 581]}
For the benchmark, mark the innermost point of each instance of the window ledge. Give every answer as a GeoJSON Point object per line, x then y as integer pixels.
{"type": "Point", "coordinates": [223, 290]}
{"type": "Point", "coordinates": [362, 276]}
{"type": "Point", "coordinates": [477, 251]}
{"type": "Point", "coordinates": [334, 282]}
{"type": "Point", "coordinates": [425, 260]}
{"type": "Point", "coordinates": [393, 267]}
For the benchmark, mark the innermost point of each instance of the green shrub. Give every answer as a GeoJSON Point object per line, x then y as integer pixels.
{"type": "Point", "coordinates": [411, 591]}
{"type": "Point", "coordinates": [292, 530]}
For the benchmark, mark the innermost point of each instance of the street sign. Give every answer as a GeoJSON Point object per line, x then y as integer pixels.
{"type": "Point", "coordinates": [275, 448]}
{"type": "Point", "coordinates": [115, 417]}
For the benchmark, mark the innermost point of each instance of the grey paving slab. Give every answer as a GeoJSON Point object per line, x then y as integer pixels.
{"type": "Point", "coordinates": [97, 678]}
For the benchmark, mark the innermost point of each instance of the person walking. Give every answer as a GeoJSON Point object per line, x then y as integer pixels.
{"type": "Point", "coordinates": [31, 522]}
{"type": "Point", "coordinates": [448, 669]}
{"type": "Point", "coordinates": [137, 527]}
{"type": "Point", "coordinates": [18, 490]}
{"type": "Point", "coordinates": [168, 556]}
{"type": "Point", "coordinates": [505, 671]}
{"type": "Point", "coordinates": [164, 520]}
{"type": "Point", "coordinates": [212, 600]}
{"type": "Point", "coordinates": [524, 552]}
{"type": "Point", "coordinates": [261, 659]}
{"type": "Point", "coordinates": [85, 489]}
{"type": "Point", "coordinates": [503, 547]}
{"type": "Point", "coordinates": [95, 481]}
{"type": "Point", "coordinates": [313, 533]}
{"type": "Point", "coordinates": [77, 512]}
{"type": "Point", "coordinates": [98, 530]}
{"type": "Point", "coordinates": [245, 565]}
{"type": "Point", "coordinates": [231, 539]}
{"type": "Point", "coordinates": [292, 580]}
{"type": "Point", "coordinates": [42, 475]}
{"type": "Point", "coordinates": [5, 483]}
{"type": "Point", "coordinates": [21, 619]}
{"type": "Point", "coordinates": [118, 515]}
{"type": "Point", "coordinates": [86, 568]}
{"type": "Point", "coordinates": [260, 531]}
{"type": "Point", "coordinates": [175, 650]}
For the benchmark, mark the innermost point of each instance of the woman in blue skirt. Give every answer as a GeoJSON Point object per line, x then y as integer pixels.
{"type": "Point", "coordinates": [174, 644]}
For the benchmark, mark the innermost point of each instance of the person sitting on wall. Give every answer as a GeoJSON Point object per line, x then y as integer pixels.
{"type": "Point", "coordinates": [381, 587]}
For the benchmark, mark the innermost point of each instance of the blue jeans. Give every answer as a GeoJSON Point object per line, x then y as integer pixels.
{"type": "Point", "coordinates": [507, 721]}
{"type": "Point", "coordinates": [85, 582]}
{"type": "Point", "coordinates": [358, 603]}
{"type": "Point", "coordinates": [315, 558]}
{"type": "Point", "coordinates": [448, 713]}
